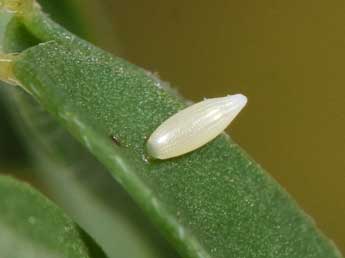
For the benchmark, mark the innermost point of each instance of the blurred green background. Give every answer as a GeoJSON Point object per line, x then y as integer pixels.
{"type": "Point", "coordinates": [288, 57]}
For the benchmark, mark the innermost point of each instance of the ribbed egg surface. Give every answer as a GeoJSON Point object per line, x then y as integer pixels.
{"type": "Point", "coordinates": [194, 126]}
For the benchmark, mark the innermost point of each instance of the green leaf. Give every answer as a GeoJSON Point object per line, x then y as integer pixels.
{"type": "Point", "coordinates": [67, 13]}
{"type": "Point", "coordinates": [213, 202]}
{"type": "Point", "coordinates": [123, 231]}
{"type": "Point", "coordinates": [11, 149]}
{"type": "Point", "coordinates": [31, 226]}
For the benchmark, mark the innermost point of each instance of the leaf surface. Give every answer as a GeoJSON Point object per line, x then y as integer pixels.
{"type": "Point", "coordinates": [213, 202]}
{"type": "Point", "coordinates": [89, 195]}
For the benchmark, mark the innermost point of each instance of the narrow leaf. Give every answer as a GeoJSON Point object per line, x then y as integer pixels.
{"type": "Point", "coordinates": [213, 202]}
{"type": "Point", "coordinates": [90, 196]}
{"type": "Point", "coordinates": [33, 227]}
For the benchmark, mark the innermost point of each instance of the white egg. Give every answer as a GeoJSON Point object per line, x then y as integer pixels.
{"type": "Point", "coordinates": [194, 126]}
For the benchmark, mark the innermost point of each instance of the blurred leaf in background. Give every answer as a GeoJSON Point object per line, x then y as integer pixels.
{"type": "Point", "coordinates": [33, 227]}
{"type": "Point", "coordinates": [12, 151]}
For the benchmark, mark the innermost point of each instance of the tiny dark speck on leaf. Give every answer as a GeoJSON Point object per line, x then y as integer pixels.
{"type": "Point", "coordinates": [115, 140]}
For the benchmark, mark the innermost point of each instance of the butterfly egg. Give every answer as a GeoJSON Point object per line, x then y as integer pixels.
{"type": "Point", "coordinates": [194, 126]}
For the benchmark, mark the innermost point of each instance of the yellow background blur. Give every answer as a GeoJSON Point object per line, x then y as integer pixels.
{"type": "Point", "coordinates": [288, 57]}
